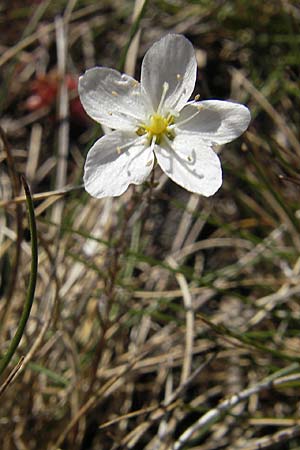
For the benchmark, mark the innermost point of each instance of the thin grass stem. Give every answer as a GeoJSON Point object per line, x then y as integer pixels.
{"type": "Point", "coordinates": [32, 283]}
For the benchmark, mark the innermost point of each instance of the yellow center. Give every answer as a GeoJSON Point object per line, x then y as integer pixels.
{"type": "Point", "coordinates": [157, 127]}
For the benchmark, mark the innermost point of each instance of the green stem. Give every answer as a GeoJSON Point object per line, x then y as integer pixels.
{"type": "Point", "coordinates": [32, 282]}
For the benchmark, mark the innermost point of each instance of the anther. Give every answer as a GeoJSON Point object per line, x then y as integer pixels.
{"type": "Point", "coordinates": [141, 131]}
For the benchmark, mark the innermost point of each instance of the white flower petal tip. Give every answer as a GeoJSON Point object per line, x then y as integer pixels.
{"type": "Point", "coordinates": [111, 98]}
{"type": "Point", "coordinates": [214, 121]}
{"type": "Point", "coordinates": [114, 162]}
{"type": "Point", "coordinates": [197, 170]}
{"type": "Point", "coordinates": [170, 60]}
{"type": "Point", "coordinates": [155, 118]}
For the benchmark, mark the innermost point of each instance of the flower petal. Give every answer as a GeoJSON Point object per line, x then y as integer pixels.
{"type": "Point", "coordinates": [112, 98]}
{"type": "Point", "coordinates": [214, 121]}
{"type": "Point", "coordinates": [192, 164]}
{"type": "Point", "coordinates": [170, 60]}
{"type": "Point", "coordinates": [109, 169]}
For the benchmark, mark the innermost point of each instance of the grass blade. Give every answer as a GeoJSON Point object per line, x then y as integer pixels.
{"type": "Point", "coordinates": [32, 283]}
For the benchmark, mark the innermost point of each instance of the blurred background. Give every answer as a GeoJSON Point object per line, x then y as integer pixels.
{"type": "Point", "coordinates": [152, 310]}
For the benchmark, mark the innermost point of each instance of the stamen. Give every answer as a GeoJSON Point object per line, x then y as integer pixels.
{"type": "Point", "coordinates": [170, 135]}
{"type": "Point", "coordinates": [172, 113]}
{"type": "Point", "coordinates": [141, 131]}
{"type": "Point", "coordinates": [128, 144]}
{"type": "Point", "coordinates": [199, 109]}
{"type": "Point", "coordinates": [163, 96]}
{"type": "Point", "coordinates": [170, 119]}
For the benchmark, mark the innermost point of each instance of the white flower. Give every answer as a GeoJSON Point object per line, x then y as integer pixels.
{"type": "Point", "coordinates": [154, 121]}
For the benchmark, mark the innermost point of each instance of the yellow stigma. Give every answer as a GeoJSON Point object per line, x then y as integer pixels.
{"type": "Point", "coordinates": [157, 127]}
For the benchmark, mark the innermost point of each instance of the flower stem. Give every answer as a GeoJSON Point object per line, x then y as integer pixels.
{"type": "Point", "coordinates": [32, 282]}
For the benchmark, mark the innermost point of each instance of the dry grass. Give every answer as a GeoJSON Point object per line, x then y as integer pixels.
{"type": "Point", "coordinates": [161, 320]}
